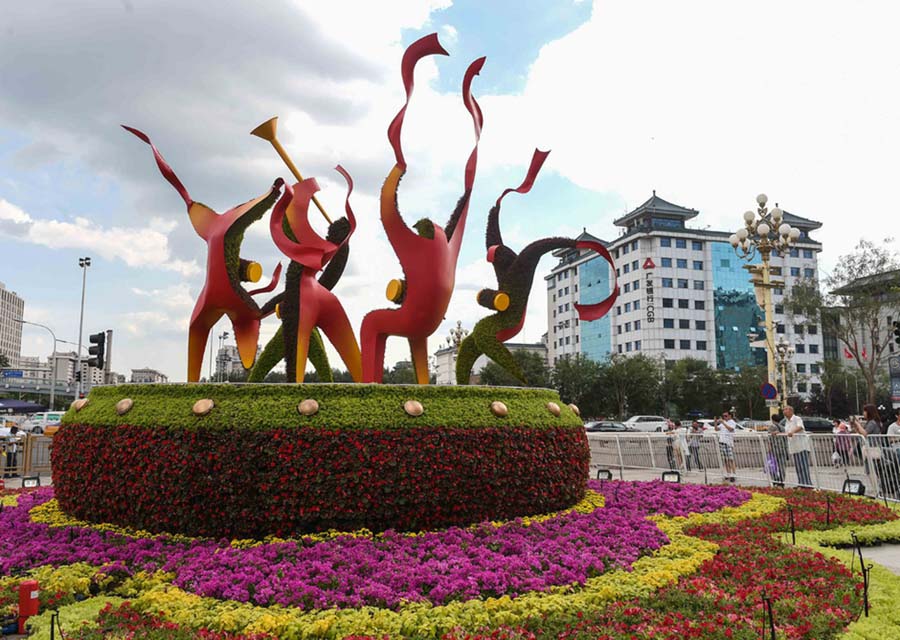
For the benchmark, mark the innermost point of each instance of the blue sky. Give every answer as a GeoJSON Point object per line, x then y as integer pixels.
{"type": "Point", "coordinates": [689, 99]}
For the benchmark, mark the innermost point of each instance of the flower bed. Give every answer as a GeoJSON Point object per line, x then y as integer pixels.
{"type": "Point", "coordinates": [633, 560]}
{"type": "Point", "coordinates": [255, 466]}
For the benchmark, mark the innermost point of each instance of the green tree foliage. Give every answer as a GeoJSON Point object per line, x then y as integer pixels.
{"type": "Point", "coordinates": [629, 385]}
{"type": "Point", "coordinates": [4, 361]}
{"type": "Point", "coordinates": [853, 305]}
{"type": "Point", "coordinates": [742, 390]}
{"type": "Point", "coordinates": [532, 364]}
{"type": "Point", "coordinates": [576, 378]}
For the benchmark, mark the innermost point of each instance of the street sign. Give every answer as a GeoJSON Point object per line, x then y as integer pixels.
{"type": "Point", "coordinates": [768, 391]}
{"type": "Point", "coordinates": [895, 389]}
{"type": "Point", "coordinates": [12, 373]}
{"type": "Point", "coordinates": [894, 366]}
{"type": "Point", "coordinates": [772, 403]}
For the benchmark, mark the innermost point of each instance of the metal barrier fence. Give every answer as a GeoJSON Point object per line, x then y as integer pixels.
{"type": "Point", "coordinates": [821, 461]}
{"type": "Point", "coordinates": [24, 455]}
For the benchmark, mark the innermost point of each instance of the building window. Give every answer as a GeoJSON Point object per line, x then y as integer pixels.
{"type": "Point", "coordinates": [680, 243]}
{"type": "Point", "coordinates": [800, 348]}
{"type": "Point", "coordinates": [667, 303]}
{"type": "Point", "coordinates": [809, 273]}
{"type": "Point", "coordinates": [637, 325]}
{"type": "Point", "coordinates": [795, 272]}
{"type": "Point", "coordinates": [634, 245]}
{"type": "Point", "coordinates": [627, 307]}
{"type": "Point", "coordinates": [668, 323]}
{"type": "Point", "coordinates": [684, 344]}
{"type": "Point", "coordinates": [814, 348]}
{"type": "Point", "coordinates": [625, 250]}
{"type": "Point", "coordinates": [618, 329]}
{"type": "Point", "coordinates": [701, 345]}
{"type": "Point", "coordinates": [779, 328]}
{"type": "Point", "coordinates": [779, 308]}
{"type": "Point", "coordinates": [637, 305]}
{"type": "Point", "coordinates": [627, 327]}
{"type": "Point", "coordinates": [668, 344]}
{"type": "Point", "coordinates": [634, 265]}
{"type": "Point", "coordinates": [801, 368]}
{"type": "Point", "coordinates": [627, 287]}
{"type": "Point", "coordinates": [636, 285]}
{"type": "Point", "coordinates": [618, 273]}
{"type": "Point", "coordinates": [698, 285]}
{"type": "Point", "coordinates": [812, 329]}
{"type": "Point", "coordinates": [795, 252]}
{"type": "Point", "coordinates": [725, 263]}
{"type": "Point", "coordinates": [682, 283]}
{"type": "Point", "coordinates": [801, 387]}
{"type": "Point", "coordinates": [698, 265]}
{"type": "Point", "coordinates": [566, 306]}
{"type": "Point", "coordinates": [684, 324]}
{"type": "Point", "coordinates": [637, 345]}
{"type": "Point", "coordinates": [798, 329]}
{"type": "Point", "coordinates": [619, 349]}
{"type": "Point", "coordinates": [681, 263]}
{"type": "Point", "coordinates": [666, 262]}
{"type": "Point", "coordinates": [665, 242]}
{"type": "Point", "coordinates": [700, 325]}
{"type": "Point", "coordinates": [626, 268]}
{"type": "Point", "coordinates": [696, 245]}
{"type": "Point", "coordinates": [667, 283]}
{"type": "Point", "coordinates": [627, 346]}
{"type": "Point", "coordinates": [700, 305]}
{"type": "Point", "coordinates": [814, 368]}
{"type": "Point", "coordinates": [618, 310]}
{"type": "Point", "coordinates": [807, 253]}
{"type": "Point", "coordinates": [684, 304]}
{"type": "Point", "coordinates": [778, 291]}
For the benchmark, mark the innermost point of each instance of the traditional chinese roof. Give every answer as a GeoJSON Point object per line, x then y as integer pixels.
{"type": "Point", "coordinates": [801, 223]}
{"type": "Point", "coordinates": [656, 206]}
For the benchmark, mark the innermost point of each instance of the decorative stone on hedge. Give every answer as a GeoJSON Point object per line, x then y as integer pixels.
{"type": "Point", "coordinates": [255, 466]}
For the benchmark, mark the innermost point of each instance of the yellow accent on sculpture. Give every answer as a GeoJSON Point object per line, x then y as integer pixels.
{"type": "Point", "coordinates": [254, 272]}
{"type": "Point", "coordinates": [501, 301]}
{"type": "Point", "coordinates": [394, 290]}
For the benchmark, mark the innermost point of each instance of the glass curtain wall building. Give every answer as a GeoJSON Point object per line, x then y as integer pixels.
{"type": "Point", "coordinates": [684, 293]}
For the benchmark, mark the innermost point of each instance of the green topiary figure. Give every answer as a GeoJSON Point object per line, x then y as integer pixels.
{"type": "Point", "coordinates": [515, 274]}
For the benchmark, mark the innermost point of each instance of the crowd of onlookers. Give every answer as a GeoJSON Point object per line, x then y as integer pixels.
{"type": "Point", "coordinates": [789, 441]}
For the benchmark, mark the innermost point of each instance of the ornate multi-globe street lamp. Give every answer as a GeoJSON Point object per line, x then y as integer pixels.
{"type": "Point", "coordinates": [784, 352]}
{"type": "Point", "coordinates": [764, 231]}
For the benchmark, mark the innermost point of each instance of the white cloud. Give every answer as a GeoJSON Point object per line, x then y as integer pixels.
{"type": "Point", "coordinates": [135, 246]}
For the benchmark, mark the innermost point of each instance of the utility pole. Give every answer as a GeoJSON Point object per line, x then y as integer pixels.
{"type": "Point", "coordinates": [84, 263]}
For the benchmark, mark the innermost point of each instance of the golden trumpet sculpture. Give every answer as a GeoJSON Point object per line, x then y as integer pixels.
{"type": "Point", "coordinates": [268, 131]}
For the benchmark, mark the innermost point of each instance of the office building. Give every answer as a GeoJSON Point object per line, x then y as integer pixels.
{"type": "Point", "coordinates": [147, 376]}
{"type": "Point", "coordinates": [445, 361]}
{"type": "Point", "coordinates": [683, 294]}
{"type": "Point", "coordinates": [12, 311]}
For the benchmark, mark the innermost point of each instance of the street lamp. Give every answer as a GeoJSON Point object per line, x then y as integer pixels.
{"type": "Point", "coordinates": [220, 360]}
{"type": "Point", "coordinates": [783, 355]}
{"type": "Point", "coordinates": [84, 263]}
{"type": "Point", "coordinates": [763, 232]}
{"type": "Point", "coordinates": [52, 359]}
{"type": "Point", "coordinates": [456, 337]}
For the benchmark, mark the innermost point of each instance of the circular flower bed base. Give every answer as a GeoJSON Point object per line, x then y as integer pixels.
{"type": "Point", "coordinates": [255, 466]}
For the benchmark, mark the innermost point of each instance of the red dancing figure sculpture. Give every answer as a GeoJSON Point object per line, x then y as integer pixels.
{"type": "Point", "coordinates": [222, 292]}
{"type": "Point", "coordinates": [427, 255]}
{"type": "Point", "coordinates": [318, 307]}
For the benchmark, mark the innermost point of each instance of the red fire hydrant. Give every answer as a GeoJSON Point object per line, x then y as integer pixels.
{"type": "Point", "coordinates": [28, 602]}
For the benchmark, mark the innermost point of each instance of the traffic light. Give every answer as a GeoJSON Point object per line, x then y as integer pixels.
{"type": "Point", "coordinates": [97, 349]}
{"type": "Point", "coordinates": [897, 331]}
{"type": "Point", "coordinates": [78, 376]}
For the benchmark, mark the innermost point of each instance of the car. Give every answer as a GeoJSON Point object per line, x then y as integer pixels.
{"type": "Point", "coordinates": [606, 426]}
{"type": "Point", "coordinates": [647, 423]}
{"type": "Point", "coordinates": [51, 429]}
{"type": "Point", "coordinates": [38, 422]}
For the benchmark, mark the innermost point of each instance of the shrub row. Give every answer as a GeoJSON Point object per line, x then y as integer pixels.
{"type": "Point", "coordinates": [285, 481]}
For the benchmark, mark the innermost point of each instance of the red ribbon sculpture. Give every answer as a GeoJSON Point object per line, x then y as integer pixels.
{"type": "Point", "coordinates": [318, 306]}
{"type": "Point", "coordinates": [222, 292]}
{"type": "Point", "coordinates": [427, 255]}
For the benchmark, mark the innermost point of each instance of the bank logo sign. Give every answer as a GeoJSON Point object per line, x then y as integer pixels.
{"type": "Point", "coordinates": [649, 301]}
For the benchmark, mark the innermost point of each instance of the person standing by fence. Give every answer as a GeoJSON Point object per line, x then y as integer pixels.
{"type": "Point", "coordinates": [776, 460]}
{"type": "Point", "coordinates": [12, 448]}
{"type": "Point", "coordinates": [694, 445]}
{"type": "Point", "coordinates": [725, 428]}
{"type": "Point", "coordinates": [798, 445]}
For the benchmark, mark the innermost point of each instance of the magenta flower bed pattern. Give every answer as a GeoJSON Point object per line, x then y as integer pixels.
{"type": "Point", "coordinates": [348, 571]}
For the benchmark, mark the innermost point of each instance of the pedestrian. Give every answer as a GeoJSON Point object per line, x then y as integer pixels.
{"type": "Point", "coordinates": [694, 445]}
{"type": "Point", "coordinates": [776, 460]}
{"type": "Point", "coordinates": [670, 444]}
{"type": "Point", "coordinates": [725, 427]}
{"type": "Point", "coordinates": [11, 452]}
{"type": "Point", "coordinates": [882, 458]}
{"type": "Point", "coordinates": [681, 446]}
{"type": "Point", "coordinates": [798, 445]}
{"type": "Point", "coordinates": [843, 442]}
{"type": "Point", "coordinates": [894, 427]}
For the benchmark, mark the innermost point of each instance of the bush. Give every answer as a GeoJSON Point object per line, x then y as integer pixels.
{"type": "Point", "coordinates": [361, 462]}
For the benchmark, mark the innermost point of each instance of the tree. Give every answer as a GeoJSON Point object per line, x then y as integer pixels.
{"type": "Point", "coordinates": [630, 384]}
{"type": "Point", "coordinates": [4, 361]}
{"type": "Point", "coordinates": [575, 378]}
{"type": "Point", "coordinates": [742, 389]}
{"type": "Point", "coordinates": [861, 292]}
{"type": "Point", "coordinates": [693, 387]}
{"type": "Point", "coordinates": [532, 364]}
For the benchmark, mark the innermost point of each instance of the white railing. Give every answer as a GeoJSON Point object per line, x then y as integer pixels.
{"type": "Point", "coordinates": [821, 461]}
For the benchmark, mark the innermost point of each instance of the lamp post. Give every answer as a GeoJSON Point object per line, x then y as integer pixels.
{"type": "Point", "coordinates": [52, 359]}
{"type": "Point", "coordinates": [84, 263]}
{"type": "Point", "coordinates": [763, 232]}
{"type": "Point", "coordinates": [457, 335]}
{"type": "Point", "coordinates": [783, 355]}
{"type": "Point", "coordinates": [220, 361]}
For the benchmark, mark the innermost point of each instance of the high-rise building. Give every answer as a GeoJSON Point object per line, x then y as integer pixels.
{"type": "Point", "coordinates": [683, 294]}
{"type": "Point", "coordinates": [12, 311]}
{"type": "Point", "coordinates": [147, 376]}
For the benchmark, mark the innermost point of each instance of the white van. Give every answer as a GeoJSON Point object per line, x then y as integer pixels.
{"type": "Point", "coordinates": [38, 422]}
